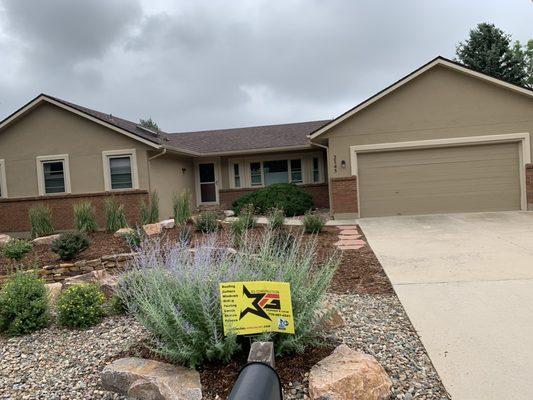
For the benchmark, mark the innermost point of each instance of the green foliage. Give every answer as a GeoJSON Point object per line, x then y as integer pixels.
{"type": "Point", "coordinates": [150, 211]}
{"type": "Point", "coordinates": [80, 306]}
{"type": "Point", "coordinates": [276, 218]}
{"type": "Point", "coordinates": [69, 244]}
{"type": "Point", "coordinates": [115, 306]}
{"type": "Point", "coordinates": [181, 205]}
{"type": "Point", "coordinates": [84, 219]}
{"type": "Point", "coordinates": [185, 234]}
{"type": "Point", "coordinates": [23, 304]}
{"type": "Point", "coordinates": [149, 124]}
{"type": "Point", "coordinates": [115, 215]}
{"type": "Point", "coordinates": [207, 222]}
{"type": "Point", "coordinates": [174, 293]}
{"type": "Point", "coordinates": [134, 238]}
{"type": "Point", "coordinates": [313, 222]}
{"type": "Point", "coordinates": [41, 221]}
{"type": "Point", "coordinates": [488, 50]}
{"type": "Point", "coordinates": [242, 224]}
{"type": "Point", "coordinates": [16, 249]}
{"type": "Point", "coordinates": [285, 196]}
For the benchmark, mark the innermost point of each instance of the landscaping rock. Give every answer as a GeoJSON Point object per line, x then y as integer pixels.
{"type": "Point", "coordinates": [101, 278]}
{"type": "Point", "coordinates": [333, 320]}
{"type": "Point", "coordinates": [152, 380]}
{"type": "Point", "coordinates": [4, 239]}
{"type": "Point", "coordinates": [45, 239]}
{"type": "Point", "coordinates": [54, 290]}
{"type": "Point", "coordinates": [349, 375]}
{"type": "Point", "coordinates": [123, 232]}
{"type": "Point", "coordinates": [168, 223]}
{"type": "Point", "coordinates": [229, 213]}
{"type": "Point", "coordinates": [152, 229]}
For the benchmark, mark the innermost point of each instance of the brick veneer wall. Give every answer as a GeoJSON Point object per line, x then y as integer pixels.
{"type": "Point", "coordinates": [14, 212]}
{"type": "Point", "coordinates": [344, 195]}
{"type": "Point", "coordinates": [318, 191]}
{"type": "Point", "coordinates": [529, 186]}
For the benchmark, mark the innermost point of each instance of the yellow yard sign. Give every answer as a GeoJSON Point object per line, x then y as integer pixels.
{"type": "Point", "coordinates": [256, 307]}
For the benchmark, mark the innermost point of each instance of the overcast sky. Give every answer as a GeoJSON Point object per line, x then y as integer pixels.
{"type": "Point", "coordinates": [194, 65]}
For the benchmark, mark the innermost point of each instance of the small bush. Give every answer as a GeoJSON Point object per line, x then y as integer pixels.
{"type": "Point", "coordinates": [23, 304]}
{"type": "Point", "coordinates": [80, 306]}
{"type": "Point", "coordinates": [313, 222]}
{"type": "Point", "coordinates": [285, 196]}
{"type": "Point", "coordinates": [115, 215]}
{"type": "Point", "coordinates": [185, 234]}
{"type": "Point", "coordinates": [207, 222]}
{"type": "Point", "coordinates": [246, 216]}
{"type": "Point", "coordinates": [16, 249]}
{"type": "Point", "coordinates": [238, 231]}
{"type": "Point", "coordinates": [134, 238]}
{"type": "Point", "coordinates": [276, 218]}
{"type": "Point", "coordinates": [181, 205]}
{"type": "Point", "coordinates": [68, 245]}
{"type": "Point", "coordinates": [84, 219]}
{"type": "Point", "coordinates": [150, 211]}
{"type": "Point", "coordinates": [115, 306]}
{"type": "Point", "coordinates": [41, 221]}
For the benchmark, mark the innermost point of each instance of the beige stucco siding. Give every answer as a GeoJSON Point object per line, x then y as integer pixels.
{"type": "Point", "coordinates": [171, 174]}
{"type": "Point", "coordinates": [439, 180]}
{"type": "Point", "coordinates": [441, 103]}
{"type": "Point", "coordinates": [49, 130]}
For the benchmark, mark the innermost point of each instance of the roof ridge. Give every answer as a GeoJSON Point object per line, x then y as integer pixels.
{"type": "Point", "coordinates": [249, 127]}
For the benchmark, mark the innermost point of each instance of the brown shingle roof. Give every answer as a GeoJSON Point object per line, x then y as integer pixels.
{"type": "Point", "coordinates": [246, 139]}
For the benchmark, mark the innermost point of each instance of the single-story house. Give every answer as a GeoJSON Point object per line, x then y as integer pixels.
{"type": "Point", "coordinates": [442, 139]}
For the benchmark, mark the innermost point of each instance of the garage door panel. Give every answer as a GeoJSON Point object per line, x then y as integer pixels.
{"type": "Point", "coordinates": [449, 179]}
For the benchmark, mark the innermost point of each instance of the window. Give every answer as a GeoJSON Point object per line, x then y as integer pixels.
{"type": "Point", "coordinates": [316, 170]}
{"type": "Point", "coordinates": [120, 170]}
{"type": "Point", "coordinates": [53, 174]}
{"type": "Point", "coordinates": [3, 186]}
{"type": "Point", "coordinates": [276, 171]}
{"type": "Point", "coordinates": [236, 176]}
{"type": "Point", "coordinates": [255, 174]}
{"type": "Point", "coordinates": [296, 171]}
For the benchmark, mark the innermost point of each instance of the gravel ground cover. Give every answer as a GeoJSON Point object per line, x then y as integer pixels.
{"type": "Point", "coordinates": [57, 363]}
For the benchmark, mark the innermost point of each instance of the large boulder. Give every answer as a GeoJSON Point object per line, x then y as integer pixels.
{"type": "Point", "coordinates": [139, 378]}
{"type": "Point", "coordinates": [349, 375]}
{"type": "Point", "coordinates": [4, 239]}
{"type": "Point", "coordinates": [100, 277]}
{"type": "Point", "coordinates": [152, 229]}
{"type": "Point", "coordinates": [45, 239]}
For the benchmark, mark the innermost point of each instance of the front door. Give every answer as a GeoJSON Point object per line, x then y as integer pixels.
{"type": "Point", "coordinates": [208, 184]}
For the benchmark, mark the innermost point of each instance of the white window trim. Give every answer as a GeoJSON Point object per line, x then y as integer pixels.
{"type": "Point", "coordinates": [321, 174]}
{"type": "Point", "coordinates": [106, 155]}
{"type": "Point", "coordinates": [262, 173]}
{"type": "Point", "coordinates": [232, 174]}
{"type": "Point", "coordinates": [3, 183]}
{"type": "Point", "coordinates": [40, 173]}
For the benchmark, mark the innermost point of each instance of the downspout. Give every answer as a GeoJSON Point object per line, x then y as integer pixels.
{"type": "Point", "coordinates": [148, 166]}
{"type": "Point", "coordinates": [329, 186]}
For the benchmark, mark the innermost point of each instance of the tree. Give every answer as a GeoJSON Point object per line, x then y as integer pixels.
{"type": "Point", "coordinates": [149, 124]}
{"type": "Point", "coordinates": [488, 50]}
{"type": "Point", "coordinates": [528, 55]}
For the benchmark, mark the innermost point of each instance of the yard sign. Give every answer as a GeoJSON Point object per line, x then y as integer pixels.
{"type": "Point", "coordinates": [255, 307]}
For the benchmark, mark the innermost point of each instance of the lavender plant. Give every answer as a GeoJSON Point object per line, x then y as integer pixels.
{"type": "Point", "coordinates": [174, 293]}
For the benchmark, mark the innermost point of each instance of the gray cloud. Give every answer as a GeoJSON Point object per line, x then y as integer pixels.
{"type": "Point", "coordinates": [209, 64]}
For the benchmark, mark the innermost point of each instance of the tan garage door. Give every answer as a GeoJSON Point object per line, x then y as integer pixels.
{"type": "Point", "coordinates": [439, 180]}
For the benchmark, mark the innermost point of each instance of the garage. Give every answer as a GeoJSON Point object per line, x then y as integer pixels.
{"type": "Point", "coordinates": [467, 178]}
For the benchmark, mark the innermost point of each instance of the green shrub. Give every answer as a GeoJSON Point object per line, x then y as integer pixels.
{"type": "Point", "coordinates": [276, 218]}
{"type": "Point", "coordinates": [174, 293]}
{"type": "Point", "coordinates": [23, 304]}
{"type": "Point", "coordinates": [134, 238]}
{"type": "Point", "coordinates": [16, 249]}
{"type": "Point", "coordinates": [313, 222]}
{"type": "Point", "coordinates": [84, 219]}
{"type": "Point", "coordinates": [80, 306]}
{"type": "Point", "coordinates": [207, 222]}
{"type": "Point", "coordinates": [246, 216]}
{"type": "Point", "coordinates": [41, 221]}
{"type": "Point", "coordinates": [69, 244]}
{"type": "Point", "coordinates": [242, 224]}
{"type": "Point", "coordinates": [150, 211]}
{"type": "Point", "coordinates": [185, 234]}
{"type": "Point", "coordinates": [181, 205]}
{"type": "Point", "coordinates": [115, 215]}
{"type": "Point", "coordinates": [285, 196]}
{"type": "Point", "coordinates": [115, 306]}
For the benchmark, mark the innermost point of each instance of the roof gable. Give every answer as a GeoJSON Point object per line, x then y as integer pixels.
{"type": "Point", "coordinates": [433, 63]}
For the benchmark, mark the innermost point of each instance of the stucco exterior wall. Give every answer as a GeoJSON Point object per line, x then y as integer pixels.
{"type": "Point", "coordinates": [49, 130]}
{"type": "Point", "coordinates": [171, 174]}
{"type": "Point", "coordinates": [441, 103]}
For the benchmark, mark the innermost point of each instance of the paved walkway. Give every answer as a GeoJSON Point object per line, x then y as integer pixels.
{"type": "Point", "coordinates": [466, 282]}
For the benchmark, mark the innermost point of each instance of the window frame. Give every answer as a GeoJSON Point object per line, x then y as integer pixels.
{"type": "Point", "coordinates": [40, 161]}
{"type": "Point", "coordinates": [107, 155]}
{"type": "Point", "coordinates": [3, 183]}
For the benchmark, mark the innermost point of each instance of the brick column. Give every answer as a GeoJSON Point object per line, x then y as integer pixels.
{"type": "Point", "coordinates": [344, 195]}
{"type": "Point", "coordinates": [529, 186]}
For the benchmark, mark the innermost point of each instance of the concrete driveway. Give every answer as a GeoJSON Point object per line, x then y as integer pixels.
{"type": "Point", "coordinates": [466, 282]}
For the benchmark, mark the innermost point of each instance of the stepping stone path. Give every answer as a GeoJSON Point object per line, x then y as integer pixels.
{"type": "Point", "coordinates": [349, 238]}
